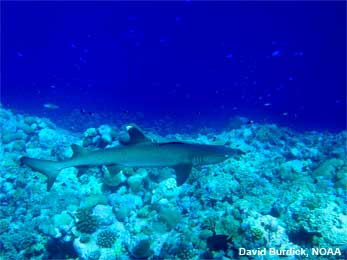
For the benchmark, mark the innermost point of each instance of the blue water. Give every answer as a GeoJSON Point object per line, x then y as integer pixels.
{"type": "Point", "coordinates": [283, 62]}
{"type": "Point", "coordinates": [246, 75]}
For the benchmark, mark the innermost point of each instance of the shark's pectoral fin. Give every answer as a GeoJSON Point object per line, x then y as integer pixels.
{"type": "Point", "coordinates": [77, 150]}
{"type": "Point", "coordinates": [182, 172]}
{"type": "Point", "coordinates": [113, 169]}
{"type": "Point", "coordinates": [51, 180]}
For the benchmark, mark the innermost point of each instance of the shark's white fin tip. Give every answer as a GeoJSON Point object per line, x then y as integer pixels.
{"type": "Point", "coordinates": [136, 136]}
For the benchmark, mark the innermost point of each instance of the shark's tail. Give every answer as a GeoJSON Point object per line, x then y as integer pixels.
{"type": "Point", "coordinates": [49, 168]}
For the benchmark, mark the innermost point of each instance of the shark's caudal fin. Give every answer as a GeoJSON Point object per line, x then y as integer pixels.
{"type": "Point", "coordinates": [49, 168]}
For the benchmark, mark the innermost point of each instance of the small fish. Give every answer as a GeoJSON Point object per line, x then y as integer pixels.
{"type": "Point", "coordinates": [229, 56]}
{"type": "Point", "coordinates": [267, 104]}
{"type": "Point", "coordinates": [50, 106]}
{"type": "Point", "coordinates": [83, 111]}
{"type": "Point", "coordinates": [276, 53]}
{"type": "Point", "coordinates": [298, 53]}
{"type": "Point", "coordinates": [19, 54]}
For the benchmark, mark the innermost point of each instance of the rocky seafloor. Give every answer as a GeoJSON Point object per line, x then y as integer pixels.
{"type": "Point", "coordinates": [288, 191]}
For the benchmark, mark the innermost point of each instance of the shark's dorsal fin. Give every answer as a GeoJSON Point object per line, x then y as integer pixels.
{"type": "Point", "coordinates": [182, 172]}
{"type": "Point", "coordinates": [77, 150]}
{"type": "Point", "coordinates": [136, 136]}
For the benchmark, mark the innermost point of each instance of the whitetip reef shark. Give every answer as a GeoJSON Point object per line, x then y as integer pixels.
{"type": "Point", "coordinates": [138, 151]}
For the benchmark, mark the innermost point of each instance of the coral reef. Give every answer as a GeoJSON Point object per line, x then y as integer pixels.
{"type": "Point", "coordinates": [106, 238]}
{"type": "Point", "coordinates": [142, 249]}
{"type": "Point", "coordinates": [287, 190]}
{"type": "Point", "coordinates": [86, 222]}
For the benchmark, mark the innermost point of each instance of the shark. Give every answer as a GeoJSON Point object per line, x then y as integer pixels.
{"type": "Point", "coordinates": [140, 151]}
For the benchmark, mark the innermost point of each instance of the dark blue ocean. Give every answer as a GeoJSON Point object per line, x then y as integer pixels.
{"type": "Point", "coordinates": [187, 61]}
{"type": "Point", "coordinates": [173, 130]}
